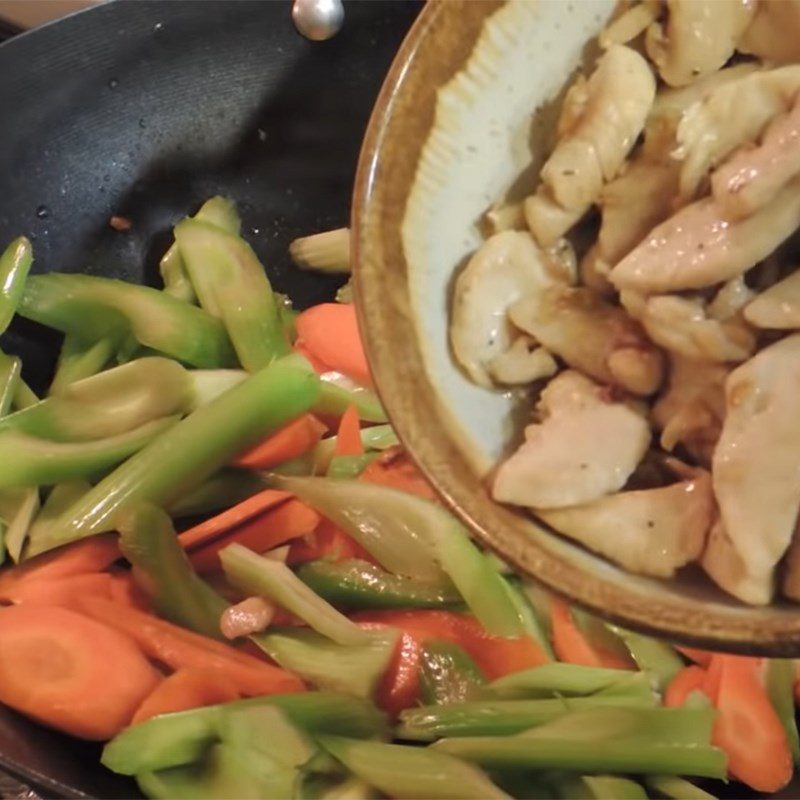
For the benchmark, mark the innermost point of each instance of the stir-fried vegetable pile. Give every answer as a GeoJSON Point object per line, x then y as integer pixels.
{"type": "Point", "coordinates": [321, 626]}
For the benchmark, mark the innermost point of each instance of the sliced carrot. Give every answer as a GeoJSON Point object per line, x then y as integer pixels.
{"type": "Point", "coordinates": [220, 524]}
{"type": "Point", "coordinates": [394, 468]}
{"type": "Point", "coordinates": [348, 437]}
{"type": "Point", "coordinates": [178, 648]}
{"type": "Point", "coordinates": [701, 657]}
{"type": "Point", "coordinates": [326, 542]}
{"type": "Point", "coordinates": [275, 527]}
{"type": "Point", "coordinates": [319, 367]}
{"type": "Point", "coordinates": [329, 333]}
{"type": "Point", "coordinates": [125, 590]}
{"type": "Point", "coordinates": [713, 676]}
{"type": "Point", "coordinates": [61, 592]}
{"type": "Point", "coordinates": [292, 441]}
{"type": "Point", "coordinates": [184, 690]}
{"type": "Point", "coordinates": [572, 645]}
{"type": "Point", "coordinates": [747, 727]}
{"type": "Point", "coordinates": [71, 672]}
{"type": "Point", "coordinates": [688, 680]}
{"type": "Point", "coordinates": [93, 554]}
{"type": "Point", "coordinates": [400, 685]}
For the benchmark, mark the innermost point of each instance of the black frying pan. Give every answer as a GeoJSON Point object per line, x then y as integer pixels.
{"type": "Point", "coordinates": [144, 109]}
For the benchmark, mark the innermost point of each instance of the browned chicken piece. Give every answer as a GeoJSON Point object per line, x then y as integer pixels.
{"type": "Point", "coordinates": [691, 410]}
{"type": "Point", "coordinates": [650, 531]}
{"type": "Point", "coordinates": [777, 308]}
{"type": "Point", "coordinates": [755, 465]}
{"type": "Point", "coordinates": [752, 176]}
{"type": "Point", "coordinates": [697, 247]}
{"type": "Point", "coordinates": [585, 447]}
{"type": "Point", "coordinates": [730, 300]}
{"type": "Point", "coordinates": [698, 38]}
{"type": "Point", "coordinates": [523, 362]}
{"type": "Point", "coordinates": [585, 331]}
{"type": "Point", "coordinates": [506, 267]}
{"type": "Point", "coordinates": [772, 35]}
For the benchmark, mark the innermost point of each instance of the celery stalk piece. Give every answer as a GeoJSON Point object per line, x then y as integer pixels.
{"type": "Point", "coordinates": [557, 678]}
{"type": "Point", "coordinates": [448, 675]}
{"type": "Point", "coordinates": [353, 583]}
{"type": "Point", "coordinates": [217, 211]}
{"type": "Point", "coordinates": [173, 740]}
{"type": "Point", "coordinates": [192, 450]}
{"type": "Point", "coordinates": [10, 371]}
{"type": "Point", "coordinates": [671, 786]}
{"type": "Point", "coordinates": [58, 500]}
{"type": "Point", "coordinates": [15, 264]}
{"type": "Point", "coordinates": [416, 538]}
{"type": "Point", "coordinates": [209, 384]}
{"type": "Point", "coordinates": [24, 396]}
{"type": "Point", "coordinates": [223, 489]}
{"type": "Point", "coordinates": [652, 741]}
{"type": "Point", "coordinates": [274, 581]}
{"type": "Point", "coordinates": [779, 679]}
{"type": "Point", "coordinates": [29, 461]}
{"type": "Point", "coordinates": [147, 539]}
{"type": "Point", "coordinates": [96, 308]}
{"type": "Point", "coordinates": [414, 773]}
{"type": "Point", "coordinates": [603, 787]}
{"type": "Point", "coordinates": [349, 467]}
{"type": "Point", "coordinates": [503, 717]}
{"type": "Point", "coordinates": [79, 360]}
{"type": "Point", "coordinates": [110, 403]}
{"type": "Point", "coordinates": [3, 551]}
{"type": "Point", "coordinates": [354, 668]}
{"type": "Point", "coordinates": [231, 284]}
{"type": "Point", "coordinates": [531, 623]}
{"type": "Point", "coordinates": [18, 508]}
{"type": "Point", "coordinates": [651, 655]}
{"type": "Point", "coordinates": [349, 789]}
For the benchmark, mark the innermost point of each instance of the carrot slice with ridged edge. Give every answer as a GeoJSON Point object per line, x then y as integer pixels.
{"type": "Point", "coordinates": [292, 441]}
{"type": "Point", "coordinates": [348, 437]}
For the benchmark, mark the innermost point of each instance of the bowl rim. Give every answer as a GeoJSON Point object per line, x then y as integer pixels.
{"type": "Point", "coordinates": [434, 50]}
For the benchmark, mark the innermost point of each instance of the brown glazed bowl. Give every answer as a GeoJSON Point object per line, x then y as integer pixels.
{"type": "Point", "coordinates": [454, 130]}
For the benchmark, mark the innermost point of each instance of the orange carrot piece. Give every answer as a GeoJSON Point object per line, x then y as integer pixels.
{"type": "Point", "coordinates": [395, 469]}
{"type": "Point", "coordinates": [93, 554]}
{"type": "Point", "coordinates": [713, 676]}
{"type": "Point", "coordinates": [222, 523]}
{"type": "Point", "coordinates": [288, 521]}
{"type": "Point", "coordinates": [701, 657]}
{"type": "Point", "coordinates": [348, 437]}
{"type": "Point", "coordinates": [177, 648]}
{"type": "Point", "coordinates": [125, 590]}
{"type": "Point", "coordinates": [71, 672]}
{"type": "Point", "coordinates": [688, 680]}
{"type": "Point", "coordinates": [747, 727]}
{"type": "Point", "coordinates": [329, 332]}
{"type": "Point", "coordinates": [571, 645]}
{"type": "Point", "coordinates": [292, 441]}
{"type": "Point", "coordinates": [62, 592]}
{"type": "Point", "coordinates": [319, 367]}
{"type": "Point", "coordinates": [328, 542]}
{"type": "Point", "coordinates": [184, 690]}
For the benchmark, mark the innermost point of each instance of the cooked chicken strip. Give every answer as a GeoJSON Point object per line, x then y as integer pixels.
{"type": "Point", "coordinates": [755, 466]}
{"type": "Point", "coordinates": [585, 447]}
{"type": "Point", "coordinates": [507, 266]}
{"type": "Point", "coordinates": [547, 220]}
{"type": "Point", "coordinates": [790, 582]}
{"type": "Point", "coordinates": [650, 532]}
{"type": "Point", "coordinates": [731, 299]}
{"type": "Point", "coordinates": [772, 35]}
{"type": "Point", "coordinates": [777, 308]}
{"type": "Point", "coordinates": [700, 37]}
{"type": "Point", "coordinates": [753, 176]}
{"type": "Point", "coordinates": [584, 330]}
{"type": "Point", "coordinates": [697, 247]}
{"type": "Point", "coordinates": [733, 115]}
{"type": "Point", "coordinates": [522, 363]}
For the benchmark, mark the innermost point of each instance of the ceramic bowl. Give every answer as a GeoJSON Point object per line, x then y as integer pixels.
{"type": "Point", "coordinates": [454, 130]}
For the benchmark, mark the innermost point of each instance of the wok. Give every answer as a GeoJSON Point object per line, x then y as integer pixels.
{"type": "Point", "coordinates": [144, 109]}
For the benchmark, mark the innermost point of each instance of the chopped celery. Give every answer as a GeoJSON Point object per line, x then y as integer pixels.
{"type": "Point", "coordinates": [675, 788]}
{"type": "Point", "coordinates": [10, 371]}
{"type": "Point", "coordinates": [376, 437]}
{"type": "Point", "coordinates": [353, 583]}
{"type": "Point", "coordinates": [416, 538]}
{"type": "Point", "coordinates": [209, 384]}
{"type": "Point", "coordinates": [24, 396]}
{"type": "Point", "coordinates": [415, 773]}
{"type": "Point", "coordinates": [651, 655]}
{"type": "Point", "coordinates": [18, 508]}
{"type": "Point", "coordinates": [28, 461]}
{"type": "Point", "coordinates": [273, 580]}
{"type": "Point", "coordinates": [172, 740]}
{"type": "Point", "coordinates": [343, 467]}
{"type": "Point", "coordinates": [531, 623]}
{"type": "Point", "coordinates": [191, 451]}
{"type": "Point", "coordinates": [231, 284]}
{"type": "Point", "coordinates": [302, 465]}
{"type": "Point", "coordinates": [448, 674]}
{"type": "Point", "coordinates": [79, 360]}
{"type": "Point", "coordinates": [504, 717]}
{"type": "Point", "coordinates": [650, 741]}
{"type": "Point", "coordinates": [3, 551]}
{"type": "Point", "coordinates": [222, 490]}
{"type": "Point", "coordinates": [356, 669]}
{"type": "Point", "coordinates": [779, 679]}
{"type": "Point", "coordinates": [602, 787]}
{"type": "Point", "coordinates": [600, 634]}
{"type": "Point", "coordinates": [147, 539]}
{"type": "Point", "coordinates": [60, 498]}
{"type": "Point", "coordinates": [175, 783]}
{"type": "Point", "coordinates": [15, 264]}
{"type": "Point", "coordinates": [557, 678]}
{"type": "Point", "coordinates": [349, 789]}
{"type": "Point", "coordinates": [108, 404]}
